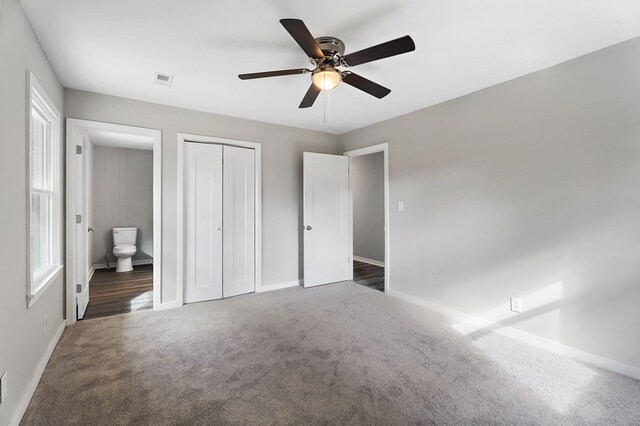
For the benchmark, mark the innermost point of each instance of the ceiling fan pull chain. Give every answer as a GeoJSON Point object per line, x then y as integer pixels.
{"type": "Point", "coordinates": [327, 111]}
{"type": "Point", "coordinates": [326, 94]}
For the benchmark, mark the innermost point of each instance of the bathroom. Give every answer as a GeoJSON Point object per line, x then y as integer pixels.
{"type": "Point", "coordinates": [119, 198]}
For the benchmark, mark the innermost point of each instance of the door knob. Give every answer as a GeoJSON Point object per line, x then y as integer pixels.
{"type": "Point", "coordinates": [308, 228]}
{"type": "Point", "coordinates": [91, 229]}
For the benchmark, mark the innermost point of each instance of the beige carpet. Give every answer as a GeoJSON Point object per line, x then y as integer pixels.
{"type": "Point", "coordinates": [336, 354]}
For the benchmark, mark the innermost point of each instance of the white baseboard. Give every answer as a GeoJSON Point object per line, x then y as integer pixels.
{"type": "Point", "coordinates": [134, 263]}
{"type": "Point", "coordinates": [537, 341]}
{"type": "Point", "coordinates": [279, 286]}
{"type": "Point", "coordinates": [369, 261]}
{"type": "Point", "coordinates": [174, 303]}
{"type": "Point", "coordinates": [166, 305]}
{"type": "Point", "coordinates": [35, 379]}
{"type": "Point", "coordinates": [91, 271]}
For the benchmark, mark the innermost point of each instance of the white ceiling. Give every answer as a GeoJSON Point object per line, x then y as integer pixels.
{"type": "Point", "coordinates": [115, 46]}
{"type": "Point", "coordinates": [119, 139]}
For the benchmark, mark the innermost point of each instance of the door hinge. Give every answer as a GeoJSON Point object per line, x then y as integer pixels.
{"type": "Point", "coordinates": [78, 149]}
{"type": "Point", "coordinates": [78, 218]}
{"type": "Point", "coordinates": [78, 288]}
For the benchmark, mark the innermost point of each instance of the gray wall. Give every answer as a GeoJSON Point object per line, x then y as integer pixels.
{"type": "Point", "coordinates": [367, 178]}
{"type": "Point", "coordinates": [22, 341]}
{"type": "Point", "coordinates": [122, 196]}
{"type": "Point", "coordinates": [282, 149]}
{"type": "Point", "coordinates": [520, 187]}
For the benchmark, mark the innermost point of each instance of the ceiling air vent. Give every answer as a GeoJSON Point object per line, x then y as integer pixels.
{"type": "Point", "coordinates": [163, 79]}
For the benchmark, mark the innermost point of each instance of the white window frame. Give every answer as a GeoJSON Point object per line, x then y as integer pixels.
{"type": "Point", "coordinates": [38, 99]}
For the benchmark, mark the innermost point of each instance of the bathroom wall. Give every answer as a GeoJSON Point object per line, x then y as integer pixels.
{"type": "Point", "coordinates": [122, 197]}
{"type": "Point", "coordinates": [367, 177]}
{"type": "Point", "coordinates": [24, 336]}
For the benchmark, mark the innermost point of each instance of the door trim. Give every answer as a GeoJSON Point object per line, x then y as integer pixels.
{"type": "Point", "coordinates": [257, 147]}
{"type": "Point", "coordinates": [76, 129]}
{"type": "Point", "coordinates": [384, 148]}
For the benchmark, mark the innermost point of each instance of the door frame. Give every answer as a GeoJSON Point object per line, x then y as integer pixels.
{"type": "Point", "coordinates": [384, 148]}
{"type": "Point", "coordinates": [257, 147]}
{"type": "Point", "coordinates": [76, 129]}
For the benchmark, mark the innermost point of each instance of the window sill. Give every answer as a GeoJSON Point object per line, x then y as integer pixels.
{"type": "Point", "coordinates": [44, 284]}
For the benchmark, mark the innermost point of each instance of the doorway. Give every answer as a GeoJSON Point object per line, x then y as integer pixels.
{"type": "Point", "coordinates": [96, 173]}
{"type": "Point", "coordinates": [219, 218]}
{"type": "Point", "coordinates": [330, 251]}
{"type": "Point", "coordinates": [369, 191]}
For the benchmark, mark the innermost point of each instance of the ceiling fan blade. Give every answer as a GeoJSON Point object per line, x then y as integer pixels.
{"type": "Point", "coordinates": [368, 86]}
{"type": "Point", "coordinates": [272, 73]}
{"type": "Point", "coordinates": [391, 48]}
{"type": "Point", "coordinates": [310, 96]}
{"type": "Point", "coordinates": [303, 37]}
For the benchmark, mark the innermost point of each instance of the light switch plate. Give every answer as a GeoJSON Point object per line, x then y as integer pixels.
{"type": "Point", "coordinates": [400, 206]}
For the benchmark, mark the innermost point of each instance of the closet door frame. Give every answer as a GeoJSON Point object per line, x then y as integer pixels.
{"type": "Point", "coordinates": [257, 147]}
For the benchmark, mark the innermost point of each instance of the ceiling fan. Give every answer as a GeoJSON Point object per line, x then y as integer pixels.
{"type": "Point", "coordinates": [326, 54]}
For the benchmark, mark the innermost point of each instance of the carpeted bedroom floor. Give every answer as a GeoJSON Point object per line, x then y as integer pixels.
{"type": "Point", "coordinates": [336, 354]}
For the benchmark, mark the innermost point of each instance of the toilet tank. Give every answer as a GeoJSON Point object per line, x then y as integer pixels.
{"type": "Point", "coordinates": [124, 236]}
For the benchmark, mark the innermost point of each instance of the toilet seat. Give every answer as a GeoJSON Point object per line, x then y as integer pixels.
{"type": "Point", "coordinates": [124, 249]}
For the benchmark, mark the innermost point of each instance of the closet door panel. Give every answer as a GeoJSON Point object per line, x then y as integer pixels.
{"type": "Point", "coordinates": [239, 221]}
{"type": "Point", "coordinates": [203, 217]}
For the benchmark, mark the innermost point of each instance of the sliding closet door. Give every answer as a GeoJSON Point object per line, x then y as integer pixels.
{"type": "Point", "coordinates": [239, 221]}
{"type": "Point", "coordinates": [203, 217]}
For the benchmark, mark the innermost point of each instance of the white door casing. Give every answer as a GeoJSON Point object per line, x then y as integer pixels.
{"type": "Point", "coordinates": [327, 238]}
{"type": "Point", "coordinates": [238, 219]}
{"type": "Point", "coordinates": [384, 148]}
{"type": "Point", "coordinates": [203, 210]}
{"type": "Point", "coordinates": [82, 272]}
{"type": "Point", "coordinates": [76, 134]}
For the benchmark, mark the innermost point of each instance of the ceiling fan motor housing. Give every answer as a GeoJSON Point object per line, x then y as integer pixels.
{"type": "Point", "coordinates": [330, 46]}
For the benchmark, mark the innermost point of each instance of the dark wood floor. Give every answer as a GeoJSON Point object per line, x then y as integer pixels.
{"type": "Point", "coordinates": [112, 293]}
{"type": "Point", "coordinates": [368, 275]}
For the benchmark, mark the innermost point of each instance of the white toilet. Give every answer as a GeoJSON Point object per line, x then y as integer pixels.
{"type": "Point", "coordinates": [124, 247]}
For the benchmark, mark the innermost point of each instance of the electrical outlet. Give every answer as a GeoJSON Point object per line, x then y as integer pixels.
{"type": "Point", "coordinates": [516, 304]}
{"type": "Point", "coordinates": [400, 206]}
{"type": "Point", "coordinates": [3, 387]}
{"type": "Point", "coordinates": [44, 325]}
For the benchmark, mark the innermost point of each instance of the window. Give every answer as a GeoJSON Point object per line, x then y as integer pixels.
{"type": "Point", "coordinates": [44, 192]}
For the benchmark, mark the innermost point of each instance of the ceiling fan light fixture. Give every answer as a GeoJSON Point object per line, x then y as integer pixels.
{"type": "Point", "coordinates": [326, 79]}
{"type": "Point", "coordinates": [326, 53]}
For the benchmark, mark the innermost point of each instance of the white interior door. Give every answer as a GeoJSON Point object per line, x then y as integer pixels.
{"type": "Point", "coordinates": [327, 256]}
{"type": "Point", "coordinates": [239, 221]}
{"type": "Point", "coordinates": [81, 264]}
{"type": "Point", "coordinates": [203, 214]}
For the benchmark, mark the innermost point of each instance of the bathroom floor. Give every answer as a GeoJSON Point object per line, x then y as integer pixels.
{"type": "Point", "coordinates": [112, 293]}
